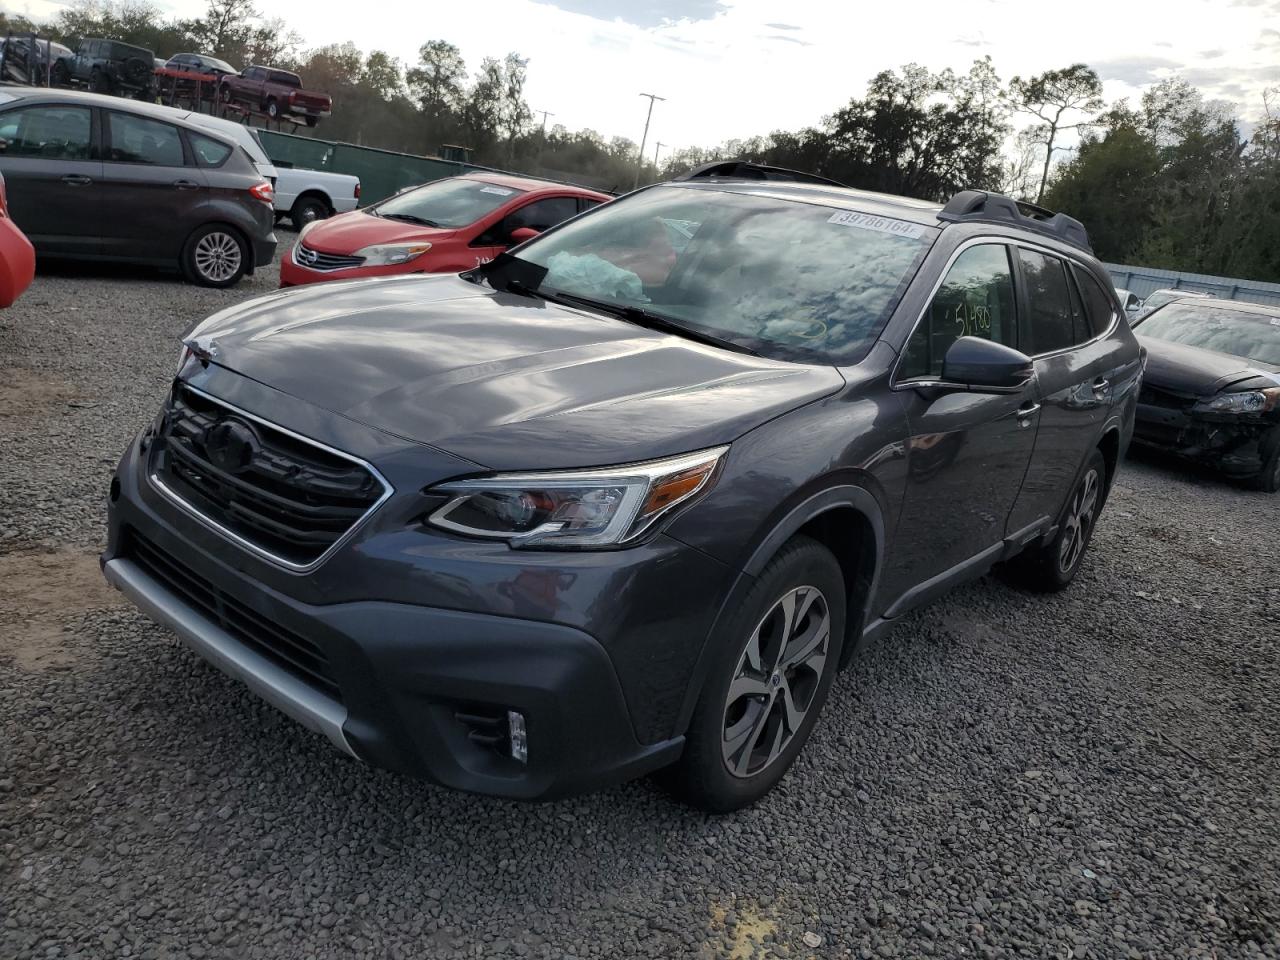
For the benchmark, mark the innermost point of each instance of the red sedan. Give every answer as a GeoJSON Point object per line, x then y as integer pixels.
{"type": "Point", "coordinates": [17, 258]}
{"type": "Point", "coordinates": [446, 226]}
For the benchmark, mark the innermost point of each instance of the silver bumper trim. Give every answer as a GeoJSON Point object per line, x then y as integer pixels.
{"type": "Point", "coordinates": [276, 686]}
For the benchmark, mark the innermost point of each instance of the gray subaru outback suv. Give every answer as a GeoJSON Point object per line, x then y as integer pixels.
{"type": "Point", "coordinates": [626, 498]}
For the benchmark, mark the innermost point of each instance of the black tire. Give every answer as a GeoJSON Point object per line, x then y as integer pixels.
{"type": "Point", "coordinates": [1268, 479]}
{"type": "Point", "coordinates": [61, 76]}
{"type": "Point", "coordinates": [769, 744]}
{"type": "Point", "coordinates": [1052, 566]}
{"type": "Point", "coordinates": [215, 255]}
{"type": "Point", "coordinates": [273, 110]}
{"type": "Point", "coordinates": [312, 121]}
{"type": "Point", "coordinates": [308, 210]}
{"type": "Point", "coordinates": [99, 82]}
{"type": "Point", "coordinates": [224, 92]}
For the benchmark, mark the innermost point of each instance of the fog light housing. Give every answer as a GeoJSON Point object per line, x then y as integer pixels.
{"type": "Point", "coordinates": [517, 737]}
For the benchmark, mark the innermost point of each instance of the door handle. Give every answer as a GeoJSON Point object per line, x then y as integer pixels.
{"type": "Point", "coordinates": [75, 180]}
{"type": "Point", "coordinates": [186, 185]}
{"type": "Point", "coordinates": [1026, 412]}
{"type": "Point", "coordinates": [1100, 387]}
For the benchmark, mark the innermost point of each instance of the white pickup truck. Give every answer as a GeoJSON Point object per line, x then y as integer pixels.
{"type": "Point", "coordinates": [301, 195]}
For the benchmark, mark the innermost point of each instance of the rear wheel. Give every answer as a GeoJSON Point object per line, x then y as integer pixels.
{"type": "Point", "coordinates": [273, 110]}
{"type": "Point", "coordinates": [215, 256]}
{"type": "Point", "coordinates": [99, 82]}
{"type": "Point", "coordinates": [61, 76]}
{"type": "Point", "coordinates": [775, 659]}
{"type": "Point", "coordinates": [308, 210]}
{"type": "Point", "coordinates": [225, 92]}
{"type": "Point", "coordinates": [1054, 565]}
{"type": "Point", "coordinates": [312, 121]}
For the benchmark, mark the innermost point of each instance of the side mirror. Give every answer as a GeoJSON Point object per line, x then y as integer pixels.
{"type": "Point", "coordinates": [521, 234]}
{"type": "Point", "coordinates": [985, 366]}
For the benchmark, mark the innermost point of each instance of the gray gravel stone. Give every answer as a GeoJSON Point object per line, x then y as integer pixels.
{"type": "Point", "coordinates": [968, 773]}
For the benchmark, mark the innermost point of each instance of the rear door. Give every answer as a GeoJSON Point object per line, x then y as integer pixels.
{"type": "Point", "coordinates": [1078, 369]}
{"type": "Point", "coordinates": [55, 180]}
{"type": "Point", "coordinates": [153, 193]}
{"type": "Point", "coordinates": [967, 452]}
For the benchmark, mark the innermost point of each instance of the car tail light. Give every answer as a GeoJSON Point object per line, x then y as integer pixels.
{"type": "Point", "coordinates": [263, 192]}
{"type": "Point", "coordinates": [4, 198]}
{"type": "Point", "coordinates": [357, 189]}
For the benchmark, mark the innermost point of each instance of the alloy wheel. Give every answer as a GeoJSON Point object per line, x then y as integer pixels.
{"type": "Point", "coordinates": [1079, 521]}
{"type": "Point", "coordinates": [217, 256]}
{"type": "Point", "coordinates": [776, 681]}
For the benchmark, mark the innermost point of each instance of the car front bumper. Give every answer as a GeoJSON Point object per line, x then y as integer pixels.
{"type": "Point", "coordinates": [424, 652]}
{"type": "Point", "coordinates": [1236, 444]}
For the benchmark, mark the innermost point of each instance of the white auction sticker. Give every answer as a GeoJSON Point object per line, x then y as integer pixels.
{"type": "Point", "coordinates": [500, 191]}
{"type": "Point", "coordinates": [865, 221]}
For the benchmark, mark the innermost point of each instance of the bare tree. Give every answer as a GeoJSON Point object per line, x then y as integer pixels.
{"type": "Point", "coordinates": [1052, 97]}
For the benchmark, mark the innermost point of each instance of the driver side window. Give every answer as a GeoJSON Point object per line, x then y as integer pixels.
{"type": "Point", "coordinates": [975, 300]}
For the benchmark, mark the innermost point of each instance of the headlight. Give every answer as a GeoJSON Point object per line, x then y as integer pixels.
{"type": "Point", "coordinates": [576, 508]}
{"type": "Point", "coordinates": [1251, 401]}
{"type": "Point", "coordinates": [389, 254]}
{"type": "Point", "coordinates": [183, 354]}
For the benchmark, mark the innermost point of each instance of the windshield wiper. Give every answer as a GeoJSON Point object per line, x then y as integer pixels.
{"type": "Point", "coordinates": [649, 320]}
{"type": "Point", "coordinates": [409, 218]}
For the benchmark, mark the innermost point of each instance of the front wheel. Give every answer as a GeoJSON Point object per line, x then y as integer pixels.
{"type": "Point", "coordinates": [215, 256]}
{"type": "Point", "coordinates": [775, 659]}
{"type": "Point", "coordinates": [1268, 479]}
{"type": "Point", "coordinates": [225, 92]}
{"type": "Point", "coordinates": [99, 82]}
{"type": "Point", "coordinates": [61, 75]}
{"type": "Point", "coordinates": [273, 110]}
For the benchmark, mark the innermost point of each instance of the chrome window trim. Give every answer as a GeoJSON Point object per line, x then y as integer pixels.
{"type": "Point", "coordinates": [896, 384]}
{"type": "Point", "coordinates": [250, 546]}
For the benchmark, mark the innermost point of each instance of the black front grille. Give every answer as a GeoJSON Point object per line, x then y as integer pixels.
{"type": "Point", "coordinates": [319, 260]}
{"type": "Point", "coordinates": [292, 651]}
{"type": "Point", "coordinates": [286, 496]}
{"type": "Point", "coordinates": [1156, 397]}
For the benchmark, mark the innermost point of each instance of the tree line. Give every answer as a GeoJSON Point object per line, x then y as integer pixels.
{"type": "Point", "coordinates": [1172, 182]}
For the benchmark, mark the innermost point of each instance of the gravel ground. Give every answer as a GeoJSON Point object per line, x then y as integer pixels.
{"type": "Point", "coordinates": [1093, 774]}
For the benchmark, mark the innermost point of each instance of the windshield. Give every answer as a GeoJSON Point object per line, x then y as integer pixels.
{"type": "Point", "coordinates": [1255, 336]}
{"type": "Point", "coordinates": [782, 278]}
{"type": "Point", "coordinates": [454, 202]}
{"type": "Point", "coordinates": [215, 64]}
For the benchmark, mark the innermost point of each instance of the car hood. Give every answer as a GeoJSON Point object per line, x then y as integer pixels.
{"type": "Point", "coordinates": [348, 232]}
{"type": "Point", "coordinates": [505, 381]}
{"type": "Point", "coordinates": [1195, 370]}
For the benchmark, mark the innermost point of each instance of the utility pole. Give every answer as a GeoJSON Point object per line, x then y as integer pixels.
{"type": "Point", "coordinates": [657, 147]}
{"type": "Point", "coordinates": [644, 139]}
{"type": "Point", "coordinates": [545, 114]}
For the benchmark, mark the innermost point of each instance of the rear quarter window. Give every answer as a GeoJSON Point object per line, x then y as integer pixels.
{"type": "Point", "coordinates": [208, 152]}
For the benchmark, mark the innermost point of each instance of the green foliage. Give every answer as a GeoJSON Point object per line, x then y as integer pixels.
{"type": "Point", "coordinates": [1171, 183]}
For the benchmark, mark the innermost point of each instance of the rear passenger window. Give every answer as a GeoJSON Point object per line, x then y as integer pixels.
{"type": "Point", "coordinates": [975, 300]}
{"type": "Point", "coordinates": [137, 139]}
{"type": "Point", "coordinates": [1097, 305]}
{"type": "Point", "coordinates": [209, 152]}
{"type": "Point", "coordinates": [1051, 313]}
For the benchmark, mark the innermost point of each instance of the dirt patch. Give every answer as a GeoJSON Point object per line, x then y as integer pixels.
{"type": "Point", "coordinates": [747, 938]}
{"type": "Point", "coordinates": [31, 393]}
{"type": "Point", "coordinates": [40, 591]}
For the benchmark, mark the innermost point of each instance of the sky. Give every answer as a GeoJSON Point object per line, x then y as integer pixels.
{"type": "Point", "coordinates": [735, 68]}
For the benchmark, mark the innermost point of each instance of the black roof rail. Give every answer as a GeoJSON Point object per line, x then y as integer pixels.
{"type": "Point", "coordinates": [981, 206]}
{"type": "Point", "coordinates": [745, 170]}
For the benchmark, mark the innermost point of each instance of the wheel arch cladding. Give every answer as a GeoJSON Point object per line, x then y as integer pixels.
{"type": "Point", "coordinates": [846, 519]}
